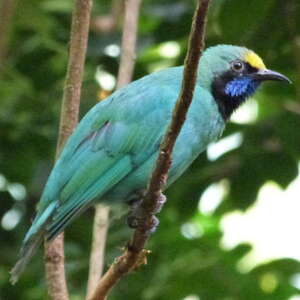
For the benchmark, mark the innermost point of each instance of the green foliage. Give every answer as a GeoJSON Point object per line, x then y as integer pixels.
{"type": "Point", "coordinates": [31, 84]}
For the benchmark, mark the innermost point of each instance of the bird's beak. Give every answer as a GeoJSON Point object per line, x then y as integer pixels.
{"type": "Point", "coordinates": [265, 74]}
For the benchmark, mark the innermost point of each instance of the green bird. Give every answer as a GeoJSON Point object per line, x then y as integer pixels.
{"type": "Point", "coordinates": [111, 154]}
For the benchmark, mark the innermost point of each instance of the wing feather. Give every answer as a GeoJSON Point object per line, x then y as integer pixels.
{"type": "Point", "coordinates": [111, 141]}
{"type": "Point", "coordinates": [76, 203]}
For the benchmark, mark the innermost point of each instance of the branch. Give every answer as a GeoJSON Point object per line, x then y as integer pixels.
{"type": "Point", "coordinates": [109, 22]}
{"type": "Point", "coordinates": [54, 251]}
{"type": "Point", "coordinates": [134, 254]}
{"type": "Point", "coordinates": [124, 77]}
{"type": "Point", "coordinates": [100, 228]}
{"type": "Point", "coordinates": [72, 88]}
{"type": "Point", "coordinates": [290, 9]}
{"type": "Point", "coordinates": [128, 56]}
{"type": "Point", "coordinates": [6, 13]}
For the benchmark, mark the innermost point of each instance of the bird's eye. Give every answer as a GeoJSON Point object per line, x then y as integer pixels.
{"type": "Point", "coordinates": [237, 66]}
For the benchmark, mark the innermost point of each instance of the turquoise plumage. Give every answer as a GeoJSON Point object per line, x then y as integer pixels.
{"type": "Point", "coordinates": [111, 154]}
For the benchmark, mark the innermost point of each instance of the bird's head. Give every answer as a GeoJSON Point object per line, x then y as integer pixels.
{"type": "Point", "coordinates": [233, 74]}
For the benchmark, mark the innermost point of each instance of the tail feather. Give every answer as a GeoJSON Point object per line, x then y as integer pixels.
{"type": "Point", "coordinates": [27, 251]}
{"type": "Point", "coordinates": [32, 241]}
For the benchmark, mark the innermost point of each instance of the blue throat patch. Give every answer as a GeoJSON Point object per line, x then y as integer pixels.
{"type": "Point", "coordinates": [241, 87]}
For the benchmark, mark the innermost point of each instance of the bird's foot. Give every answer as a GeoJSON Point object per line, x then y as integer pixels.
{"type": "Point", "coordinates": [139, 216]}
{"type": "Point", "coordinates": [148, 225]}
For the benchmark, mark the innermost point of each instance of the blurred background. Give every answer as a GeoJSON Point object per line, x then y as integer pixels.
{"type": "Point", "coordinates": [230, 230]}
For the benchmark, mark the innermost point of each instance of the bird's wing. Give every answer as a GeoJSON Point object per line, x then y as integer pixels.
{"type": "Point", "coordinates": [111, 141]}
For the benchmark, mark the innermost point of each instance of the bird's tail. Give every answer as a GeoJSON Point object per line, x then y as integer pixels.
{"type": "Point", "coordinates": [27, 251]}
{"type": "Point", "coordinates": [32, 241]}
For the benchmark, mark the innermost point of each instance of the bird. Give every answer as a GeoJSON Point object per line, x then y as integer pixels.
{"type": "Point", "coordinates": [112, 152]}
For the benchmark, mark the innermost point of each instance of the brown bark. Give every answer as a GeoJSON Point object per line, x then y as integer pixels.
{"type": "Point", "coordinates": [72, 87]}
{"type": "Point", "coordinates": [55, 269]}
{"type": "Point", "coordinates": [54, 251]}
{"type": "Point", "coordinates": [124, 77]}
{"type": "Point", "coordinates": [7, 8]}
{"type": "Point", "coordinates": [135, 255]}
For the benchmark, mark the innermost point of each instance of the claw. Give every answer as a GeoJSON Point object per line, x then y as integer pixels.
{"type": "Point", "coordinates": [154, 224]}
{"type": "Point", "coordinates": [161, 201]}
{"type": "Point", "coordinates": [132, 221]}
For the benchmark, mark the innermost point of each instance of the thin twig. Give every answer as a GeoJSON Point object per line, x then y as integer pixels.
{"type": "Point", "coordinates": [291, 10]}
{"type": "Point", "coordinates": [6, 13]}
{"type": "Point", "coordinates": [54, 251]}
{"type": "Point", "coordinates": [132, 8]}
{"type": "Point", "coordinates": [135, 255]}
{"type": "Point", "coordinates": [100, 227]}
{"type": "Point", "coordinates": [109, 22]}
{"type": "Point", "coordinates": [124, 77]}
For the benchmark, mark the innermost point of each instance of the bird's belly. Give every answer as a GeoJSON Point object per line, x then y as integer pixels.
{"type": "Point", "coordinates": [189, 145]}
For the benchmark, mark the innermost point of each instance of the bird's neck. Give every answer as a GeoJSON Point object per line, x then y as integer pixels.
{"type": "Point", "coordinates": [227, 104]}
{"type": "Point", "coordinates": [230, 93]}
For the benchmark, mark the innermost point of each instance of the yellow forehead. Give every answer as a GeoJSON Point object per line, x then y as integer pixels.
{"type": "Point", "coordinates": [254, 60]}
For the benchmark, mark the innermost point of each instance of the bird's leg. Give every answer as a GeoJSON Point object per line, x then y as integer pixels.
{"type": "Point", "coordinates": [137, 218]}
